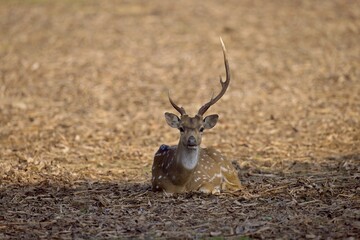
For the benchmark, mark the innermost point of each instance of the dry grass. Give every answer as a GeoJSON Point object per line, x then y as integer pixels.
{"type": "Point", "coordinates": [82, 95]}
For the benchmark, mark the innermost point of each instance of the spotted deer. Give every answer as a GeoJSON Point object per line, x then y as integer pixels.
{"type": "Point", "coordinates": [187, 166]}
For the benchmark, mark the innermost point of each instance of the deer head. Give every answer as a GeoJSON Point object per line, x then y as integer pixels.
{"type": "Point", "coordinates": [192, 128]}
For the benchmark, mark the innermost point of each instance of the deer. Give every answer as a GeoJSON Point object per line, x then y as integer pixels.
{"type": "Point", "coordinates": [187, 167]}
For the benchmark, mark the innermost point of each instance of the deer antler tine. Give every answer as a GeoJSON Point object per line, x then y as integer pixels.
{"type": "Point", "coordinates": [222, 45]}
{"type": "Point", "coordinates": [181, 110]}
{"type": "Point", "coordinates": [224, 84]}
{"type": "Point", "coordinates": [227, 68]}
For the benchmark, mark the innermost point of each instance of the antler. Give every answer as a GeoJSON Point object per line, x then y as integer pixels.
{"type": "Point", "coordinates": [181, 110]}
{"type": "Point", "coordinates": [224, 85]}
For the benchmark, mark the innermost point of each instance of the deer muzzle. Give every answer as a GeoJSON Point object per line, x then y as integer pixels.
{"type": "Point", "coordinates": [192, 143]}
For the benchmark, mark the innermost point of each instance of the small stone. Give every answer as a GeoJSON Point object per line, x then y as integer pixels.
{"type": "Point", "coordinates": [215, 234]}
{"type": "Point", "coordinates": [310, 236]}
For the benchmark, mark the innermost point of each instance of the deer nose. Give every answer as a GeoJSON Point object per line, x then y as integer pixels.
{"type": "Point", "coordinates": [192, 141]}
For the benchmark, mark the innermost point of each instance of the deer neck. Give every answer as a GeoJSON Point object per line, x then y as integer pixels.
{"type": "Point", "coordinates": [187, 158]}
{"type": "Point", "coordinates": [184, 165]}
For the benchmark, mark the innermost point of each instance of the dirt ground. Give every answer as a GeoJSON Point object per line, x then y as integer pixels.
{"type": "Point", "coordinates": [83, 89]}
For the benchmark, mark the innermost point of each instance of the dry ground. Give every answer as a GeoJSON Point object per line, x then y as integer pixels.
{"type": "Point", "coordinates": [83, 89]}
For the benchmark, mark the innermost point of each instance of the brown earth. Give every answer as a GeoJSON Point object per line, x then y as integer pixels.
{"type": "Point", "coordinates": [83, 91]}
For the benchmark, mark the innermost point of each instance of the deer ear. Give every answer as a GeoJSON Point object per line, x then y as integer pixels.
{"type": "Point", "coordinates": [172, 120]}
{"type": "Point", "coordinates": [210, 121]}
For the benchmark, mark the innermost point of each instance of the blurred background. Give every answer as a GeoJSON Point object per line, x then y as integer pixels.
{"type": "Point", "coordinates": [83, 84]}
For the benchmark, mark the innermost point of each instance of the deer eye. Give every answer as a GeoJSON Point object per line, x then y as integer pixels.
{"type": "Point", "coordinates": [201, 129]}
{"type": "Point", "coordinates": [181, 129]}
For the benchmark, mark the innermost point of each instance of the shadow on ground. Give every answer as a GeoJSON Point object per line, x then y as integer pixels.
{"type": "Point", "coordinates": [297, 205]}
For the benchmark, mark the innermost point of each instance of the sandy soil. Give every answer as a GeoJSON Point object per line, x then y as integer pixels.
{"type": "Point", "coordinates": [83, 89]}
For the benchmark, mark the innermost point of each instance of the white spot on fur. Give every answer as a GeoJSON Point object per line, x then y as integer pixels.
{"type": "Point", "coordinates": [223, 169]}
{"type": "Point", "coordinates": [216, 175]}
